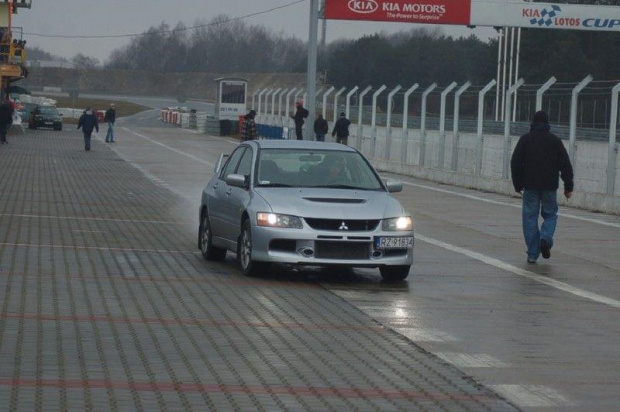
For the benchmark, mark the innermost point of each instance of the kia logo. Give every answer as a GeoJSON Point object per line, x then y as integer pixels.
{"type": "Point", "coordinates": [363, 6]}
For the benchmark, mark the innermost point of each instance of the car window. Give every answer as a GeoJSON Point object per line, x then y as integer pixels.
{"type": "Point", "coordinates": [316, 168]}
{"type": "Point", "coordinates": [245, 164]}
{"type": "Point", "coordinates": [232, 162]}
{"type": "Point", "coordinates": [48, 110]}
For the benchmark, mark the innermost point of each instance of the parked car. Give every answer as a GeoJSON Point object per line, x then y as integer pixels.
{"type": "Point", "coordinates": [305, 204]}
{"type": "Point", "coordinates": [44, 116]}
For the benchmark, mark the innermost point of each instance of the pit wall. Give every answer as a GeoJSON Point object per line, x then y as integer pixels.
{"type": "Point", "coordinates": [590, 162]}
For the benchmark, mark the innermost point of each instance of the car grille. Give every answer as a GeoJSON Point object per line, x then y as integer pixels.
{"type": "Point", "coordinates": [337, 224]}
{"type": "Point", "coordinates": [341, 250]}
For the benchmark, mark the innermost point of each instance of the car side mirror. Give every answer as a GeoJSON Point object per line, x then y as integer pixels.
{"type": "Point", "coordinates": [394, 186]}
{"type": "Point", "coordinates": [61, 115]}
{"type": "Point", "coordinates": [236, 180]}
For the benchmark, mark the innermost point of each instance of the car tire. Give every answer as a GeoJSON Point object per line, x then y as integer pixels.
{"type": "Point", "coordinates": [249, 267]}
{"type": "Point", "coordinates": [394, 273]}
{"type": "Point", "coordinates": [205, 236]}
{"type": "Point", "coordinates": [58, 128]}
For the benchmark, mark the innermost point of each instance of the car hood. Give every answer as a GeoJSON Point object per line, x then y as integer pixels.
{"type": "Point", "coordinates": [331, 203]}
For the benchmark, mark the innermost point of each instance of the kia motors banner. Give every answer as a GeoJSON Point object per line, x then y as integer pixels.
{"type": "Point", "coordinates": [403, 11]}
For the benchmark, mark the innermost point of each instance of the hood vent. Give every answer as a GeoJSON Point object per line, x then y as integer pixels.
{"type": "Point", "coordinates": [334, 200]}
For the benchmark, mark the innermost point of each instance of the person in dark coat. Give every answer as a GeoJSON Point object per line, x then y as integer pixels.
{"type": "Point", "coordinates": [537, 163]}
{"type": "Point", "coordinates": [88, 123]}
{"type": "Point", "coordinates": [300, 117]}
{"type": "Point", "coordinates": [321, 128]}
{"type": "Point", "coordinates": [248, 129]}
{"type": "Point", "coordinates": [341, 129]}
{"type": "Point", "coordinates": [110, 118]}
{"type": "Point", "coordinates": [6, 119]}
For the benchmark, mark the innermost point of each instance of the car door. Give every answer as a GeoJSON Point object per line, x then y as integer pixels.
{"type": "Point", "coordinates": [237, 198]}
{"type": "Point", "coordinates": [217, 203]}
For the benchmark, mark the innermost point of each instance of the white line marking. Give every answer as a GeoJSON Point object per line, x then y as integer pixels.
{"type": "Point", "coordinates": [497, 202]}
{"type": "Point", "coordinates": [425, 335]}
{"type": "Point", "coordinates": [196, 158]}
{"type": "Point", "coordinates": [524, 273]}
{"type": "Point", "coordinates": [112, 249]}
{"type": "Point", "coordinates": [463, 360]}
{"type": "Point", "coordinates": [531, 396]}
{"type": "Point", "coordinates": [95, 219]}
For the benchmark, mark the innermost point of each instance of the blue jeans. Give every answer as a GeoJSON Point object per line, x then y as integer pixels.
{"type": "Point", "coordinates": [320, 137]}
{"type": "Point", "coordinates": [110, 136]}
{"type": "Point", "coordinates": [535, 202]}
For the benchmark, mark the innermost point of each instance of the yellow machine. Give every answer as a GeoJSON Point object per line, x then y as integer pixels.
{"type": "Point", "coordinates": [12, 46]}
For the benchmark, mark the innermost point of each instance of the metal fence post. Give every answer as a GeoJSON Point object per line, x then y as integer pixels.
{"type": "Point", "coordinates": [573, 117]}
{"type": "Point", "coordinates": [273, 103]}
{"type": "Point", "coordinates": [327, 93]}
{"type": "Point", "coordinates": [373, 127]}
{"type": "Point", "coordinates": [360, 119]}
{"type": "Point", "coordinates": [284, 92]}
{"type": "Point", "coordinates": [455, 129]}
{"type": "Point", "coordinates": [480, 140]}
{"type": "Point", "coordinates": [336, 97]}
{"type": "Point", "coordinates": [348, 102]}
{"type": "Point", "coordinates": [542, 90]}
{"type": "Point", "coordinates": [388, 123]}
{"type": "Point", "coordinates": [254, 99]}
{"type": "Point", "coordinates": [423, 123]}
{"type": "Point", "coordinates": [260, 98]}
{"type": "Point", "coordinates": [405, 141]}
{"type": "Point", "coordinates": [442, 126]}
{"type": "Point", "coordinates": [613, 146]}
{"type": "Point", "coordinates": [507, 139]}
{"type": "Point", "coordinates": [287, 108]}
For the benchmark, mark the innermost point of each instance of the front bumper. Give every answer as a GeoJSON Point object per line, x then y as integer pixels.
{"type": "Point", "coordinates": [311, 247]}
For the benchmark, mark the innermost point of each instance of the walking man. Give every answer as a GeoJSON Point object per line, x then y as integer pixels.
{"type": "Point", "coordinates": [248, 129]}
{"type": "Point", "coordinates": [538, 161]}
{"type": "Point", "coordinates": [6, 119]}
{"type": "Point", "coordinates": [300, 117]}
{"type": "Point", "coordinates": [110, 117]}
{"type": "Point", "coordinates": [88, 122]}
{"type": "Point", "coordinates": [321, 128]}
{"type": "Point", "coordinates": [341, 129]}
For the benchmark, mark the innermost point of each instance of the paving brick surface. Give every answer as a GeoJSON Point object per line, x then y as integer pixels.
{"type": "Point", "coordinates": [106, 304]}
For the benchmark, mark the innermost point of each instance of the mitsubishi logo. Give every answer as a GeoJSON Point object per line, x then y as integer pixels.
{"type": "Point", "coordinates": [343, 226]}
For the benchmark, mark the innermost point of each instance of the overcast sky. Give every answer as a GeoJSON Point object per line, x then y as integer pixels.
{"type": "Point", "coordinates": [111, 17]}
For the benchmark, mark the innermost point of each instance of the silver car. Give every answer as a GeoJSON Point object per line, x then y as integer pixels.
{"type": "Point", "coordinates": [305, 204]}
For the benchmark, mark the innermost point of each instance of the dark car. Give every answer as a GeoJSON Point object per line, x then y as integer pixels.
{"type": "Point", "coordinates": [45, 116]}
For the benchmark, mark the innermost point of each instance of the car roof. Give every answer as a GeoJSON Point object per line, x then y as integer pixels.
{"type": "Point", "coordinates": [300, 144]}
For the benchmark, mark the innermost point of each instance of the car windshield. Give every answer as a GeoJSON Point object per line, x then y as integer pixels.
{"type": "Point", "coordinates": [51, 111]}
{"type": "Point", "coordinates": [316, 168]}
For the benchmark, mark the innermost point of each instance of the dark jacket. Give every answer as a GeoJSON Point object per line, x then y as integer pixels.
{"type": "Point", "coordinates": [6, 113]}
{"type": "Point", "coordinates": [321, 126]}
{"type": "Point", "coordinates": [110, 116]}
{"type": "Point", "coordinates": [300, 114]}
{"type": "Point", "coordinates": [248, 129]}
{"type": "Point", "coordinates": [341, 128]}
{"type": "Point", "coordinates": [88, 122]}
{"type": "Point", "coordinates": [539, 159]}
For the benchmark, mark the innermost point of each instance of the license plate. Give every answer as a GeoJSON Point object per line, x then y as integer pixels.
{"type": "Point", "coordinates": [403, 242]}
{"type": "Point", "coordinates": [49, 123]}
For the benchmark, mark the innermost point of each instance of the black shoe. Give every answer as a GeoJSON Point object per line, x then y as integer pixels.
{"type": "Point", "coordinates": [545, 249]}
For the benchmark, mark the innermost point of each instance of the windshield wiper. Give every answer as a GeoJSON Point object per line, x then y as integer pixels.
{"type": "Point", "coordinates": [341, 186]}
{"type": "Point", "coordinates": [274, 185]}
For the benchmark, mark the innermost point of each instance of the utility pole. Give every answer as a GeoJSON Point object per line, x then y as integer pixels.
{"type": "Point", "coordinates": [312, 63]}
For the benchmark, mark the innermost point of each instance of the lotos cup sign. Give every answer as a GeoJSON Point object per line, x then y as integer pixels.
{"type": "Point", "coordinates": [404, 11]}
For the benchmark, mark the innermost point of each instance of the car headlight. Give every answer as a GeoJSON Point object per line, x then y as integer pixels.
{"type": "Point", "coordinates": [403, 223]}
{"type": "Point", "coordinates": [277, 220]}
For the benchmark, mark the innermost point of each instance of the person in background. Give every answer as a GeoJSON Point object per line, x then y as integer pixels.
{"type": "Point", "coordinates": [341, 129]}
{"type": "Point", "coordinates": [88, 123]}
{"type": "Point", "coordinates": [6, 119]}
{"type": "Point", "coordinates": [110, 118]}
{"type": "Point", "coordinates": [321, 128]}
{"type": "Point", "coordinates": [300, 117]}
{"type": "Point", "coordinates": [248, 129]}
{"type": "Point", "coordinates": [538, 161]}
